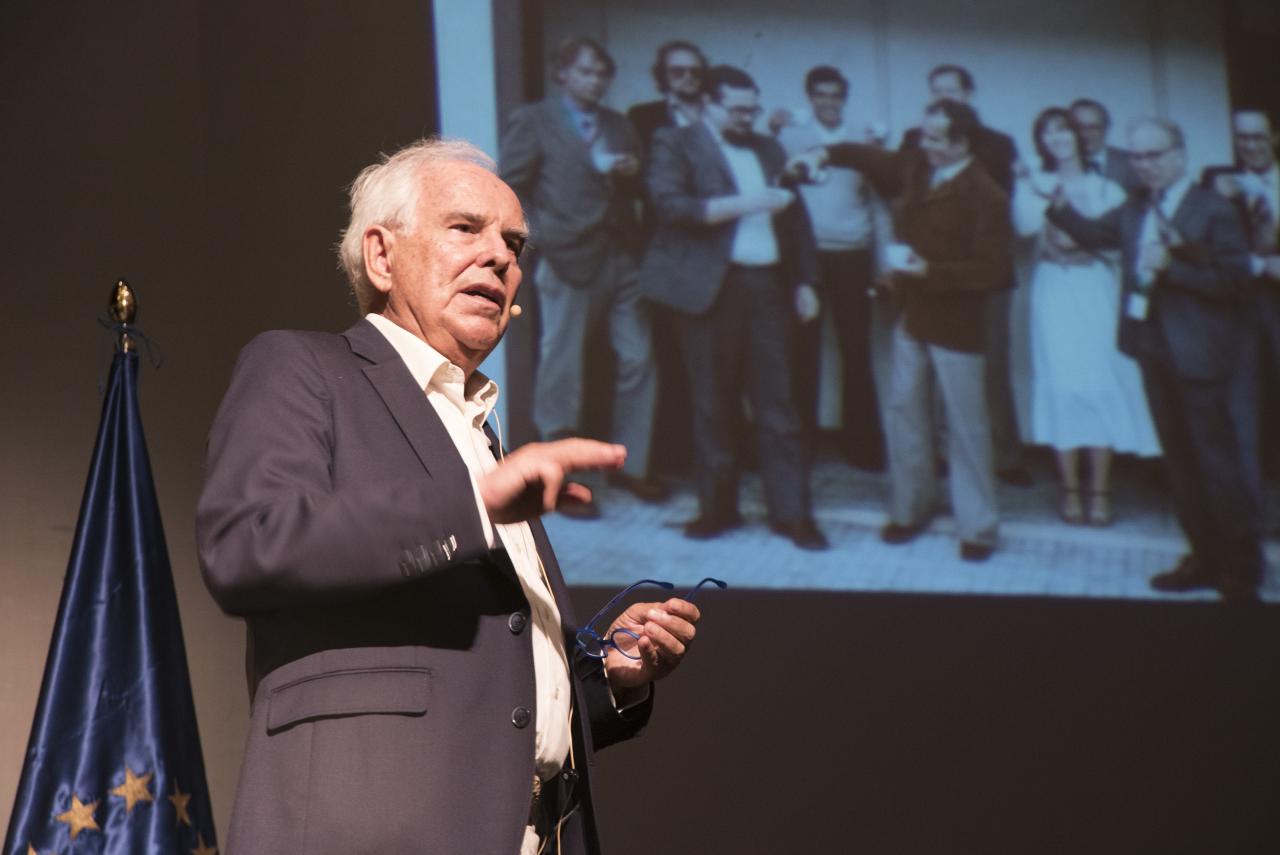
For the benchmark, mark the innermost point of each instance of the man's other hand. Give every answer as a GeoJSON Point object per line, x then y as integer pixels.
{"type": "Point", "coordinates": [807, 304]}
{"type": "Point", "coordinates": [533, 480]}
{"type": "Point", "coordinates": [806, 165]}
{"type": "Point", "coordinates": [665, 630]}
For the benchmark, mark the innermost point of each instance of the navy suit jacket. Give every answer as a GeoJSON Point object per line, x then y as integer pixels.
{"type": "Point", "coordinates": [688, 257]}
{"type": "Point", "coordinates": [388, 647]}
{"type": "Point", "coordinates": [1201, 303]}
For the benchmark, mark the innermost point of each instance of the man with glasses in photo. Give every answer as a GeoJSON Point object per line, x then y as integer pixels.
{"type": "Point", "coordinates": [843, 210]}
{"type": "Point", "coordinates": [1187, 302]}
{"type": "Point", "coordinates": [417, 682]}
{"type": "Point", "coordinates": [733, 257]}
{"type": "Point", "coordinates": [677, 72]}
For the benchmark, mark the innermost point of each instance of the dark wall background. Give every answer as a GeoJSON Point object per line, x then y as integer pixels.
{"type": "Point", "coordinates": [200, 149]}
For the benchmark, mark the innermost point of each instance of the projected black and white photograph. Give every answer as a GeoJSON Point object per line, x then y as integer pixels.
{"type": "Point", "coordinates": [836, 363]}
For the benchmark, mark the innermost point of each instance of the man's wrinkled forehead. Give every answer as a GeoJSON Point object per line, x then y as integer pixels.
{"type": "Point", "coordinates": [455, 185]}
{"type": "Point", "coordinates": [1252, 122]}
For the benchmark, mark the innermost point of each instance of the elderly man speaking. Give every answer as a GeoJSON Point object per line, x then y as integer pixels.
{"type": "Point", "coordinates": [416, 686]}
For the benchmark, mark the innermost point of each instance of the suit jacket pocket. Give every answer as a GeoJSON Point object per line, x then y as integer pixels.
{"type": "Point", "coordinates": [349, 692]}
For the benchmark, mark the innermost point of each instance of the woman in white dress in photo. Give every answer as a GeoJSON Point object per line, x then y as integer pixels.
{"type": "Point", "coordinates": [1086, 396]}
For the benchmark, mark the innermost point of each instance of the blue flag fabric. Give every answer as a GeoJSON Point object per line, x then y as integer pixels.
{"type": "Point", "coordinates": [114, 764]}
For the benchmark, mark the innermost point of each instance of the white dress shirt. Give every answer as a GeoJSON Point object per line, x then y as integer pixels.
{"type": "Point", "coordinates": [464, 411]}
{"type": "Point", "coordinates": [754, 244]}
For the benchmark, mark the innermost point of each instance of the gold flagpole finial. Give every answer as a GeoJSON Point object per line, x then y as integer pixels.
{"type": "Point", "coordinates": [122, 309]}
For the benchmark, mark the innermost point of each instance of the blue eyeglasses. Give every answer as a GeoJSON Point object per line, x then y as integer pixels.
{"type": "Point", "coordinates": [597, 646]}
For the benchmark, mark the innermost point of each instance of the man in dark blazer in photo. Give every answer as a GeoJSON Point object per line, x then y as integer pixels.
{"type": "Point", "coordinates": [414, 677]}
{"type": "Point", "coordinates": [1187, 300]}
{"type": "Point", "coordinates": [732, 255]}
{"type": "Point", "coordinates": [1252, 184]}
{"type": "Point", "coordinates": [575, 164]}
{"type": "Point", "coordinates": [996, 153]}
{"type": "Point", "coordinates": [677, 72]}
{"type": "Point", "coordinates": [956, 251]}
{"type": "Point", "coordinates": [1094, 121]}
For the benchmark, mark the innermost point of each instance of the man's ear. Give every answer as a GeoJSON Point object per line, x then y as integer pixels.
{"type": "Point", "coordinates": [378, 245]}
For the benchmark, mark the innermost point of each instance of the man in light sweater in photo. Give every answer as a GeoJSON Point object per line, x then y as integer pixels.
{"type": "Point", "coordinates": [842, 208]}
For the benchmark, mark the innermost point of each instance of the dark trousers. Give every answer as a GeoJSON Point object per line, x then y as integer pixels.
{"type": "Point", "coordinates": [1005, 437]}
{"type": "Point", "coordinates": [846, 276]}
{"type": "Point", "coordinates": [1213, 491]}
{"type": "Point", "coordinates": [741, 342]}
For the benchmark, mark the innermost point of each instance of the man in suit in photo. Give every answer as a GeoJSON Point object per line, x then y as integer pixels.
{"type": "Point", "coordinates": [842, 210]}
{"type": "Point", "coordinates": [996, 153]}
{"type": "Point", "coordinates": [731, 255]}
{"type": "Point", "coordinates": [414, 679]}
{"type": "Point", "coordinates": [1094, 121]}
{"type": "Point", "coordinates": [956, 250]}
{"type": "Point", "coordinates": [677, 72]}
{"type": "Point", "coordinates": [1252, 184]}
{"type": "Point", "coordinates": [575, 165]}
{"type": "Point", "coordinates": [1186, 297]}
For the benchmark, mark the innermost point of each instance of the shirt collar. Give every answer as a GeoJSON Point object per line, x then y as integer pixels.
{"type": "Point", "coordinates": [434, 373]}
{"type": "Point", "coordinates": [943, 174]}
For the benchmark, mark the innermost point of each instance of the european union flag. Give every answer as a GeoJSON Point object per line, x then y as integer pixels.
{"type": "Point", "coordinates": [114, 764]}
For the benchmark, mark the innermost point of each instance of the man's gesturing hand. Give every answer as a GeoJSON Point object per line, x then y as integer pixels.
{"type": "Point", "coordinates": [665, 630]}
{"type": "Point", "coordinates": [532, 480]}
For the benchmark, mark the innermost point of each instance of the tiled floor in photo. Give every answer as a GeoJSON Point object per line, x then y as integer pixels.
{"type": "Point", "coordinates": [1038, 554]}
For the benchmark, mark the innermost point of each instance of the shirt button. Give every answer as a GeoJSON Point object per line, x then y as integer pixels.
{"type": "Point", "coordinates": [520, 717]}
{"type": "Point", "coordinates": [517, 622]}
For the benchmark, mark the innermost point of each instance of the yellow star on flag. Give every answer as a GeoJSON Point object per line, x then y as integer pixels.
{"type": "Point", "coordinates": [202, 849]}
{"type": "Point", "coordinates": [180, 800]}
{"type": "Point", "coordinates": [79, 816]}
{"type": "Point", "coordinates": [133, 790]}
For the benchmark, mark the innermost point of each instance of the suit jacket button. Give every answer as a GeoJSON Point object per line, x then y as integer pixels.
{"type": "Point", "coordinates": [520, 717]}
{"type": "Point", "coordinates": [517, 622]}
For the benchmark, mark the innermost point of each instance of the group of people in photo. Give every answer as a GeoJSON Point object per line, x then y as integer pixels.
{"type": "Point", "coordinates": [708, 240]}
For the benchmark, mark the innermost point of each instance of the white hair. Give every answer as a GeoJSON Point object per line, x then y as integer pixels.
{"type": "Point", "coordinates": [386, 194]}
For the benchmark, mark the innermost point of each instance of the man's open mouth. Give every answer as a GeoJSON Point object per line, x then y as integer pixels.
{"type": "Point", "coordinates": [488, 292]}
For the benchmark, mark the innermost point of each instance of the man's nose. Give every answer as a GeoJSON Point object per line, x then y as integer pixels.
{"type": "Point", "coordinates": [495, 253]}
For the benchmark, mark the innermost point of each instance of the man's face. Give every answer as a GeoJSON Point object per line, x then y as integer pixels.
{"type": "Point", "coordinates": [735, 113]}
{"type": "Point", "coordinates": [827, 100]}
{"type": "Point", "coordinates": [948, 85]}
{"type": "Point", "coordinates": [1255, 141]}
{"type": "Point", "coordinates": [586, 79]}
{"type": "Point", "coordinates": [1157, 162]}
{"type": "Point", "coordinates": [935, 143]}
{"type": "Point", "coordinates": [1093, 129]}
{"type": "Point", "coordinates": [682, 70]}
{"type": "Point", "coordinates": [455, 276]}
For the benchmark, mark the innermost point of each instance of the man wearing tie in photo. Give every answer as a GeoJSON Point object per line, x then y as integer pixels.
{"type": "Point", "coordinates": [956, 234]}
{"type": "Point", "coordinates": [575, 165]}
{"type": "Point", "coordinates": [1187, 304]}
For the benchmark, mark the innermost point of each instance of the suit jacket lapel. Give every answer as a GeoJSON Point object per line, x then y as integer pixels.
{"type": "Point", "coordinates": [548, 556]}
{"type": "Point", "coordinates": [707, 151]}
{"type": "Point", "coordinates": [570, 140]}
{"type": "Point", "coordinates": [413, 413]}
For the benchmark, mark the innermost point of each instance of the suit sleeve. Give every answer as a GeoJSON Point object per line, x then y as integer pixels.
{"type": "Point", "coordinates": [608, 725]}
{"type": "Point", "coordinates": [989, 265]}
{"type": "Point", "coordinates": [520, 153]}
{"type": "Point", "coordinates": [670, 182]}
{"type": "Point", "coordinates": [271, 526]}
{"type": "Point", "coordinates": [1217, 267]}
{"type": "Point", "coordinates": [883, 168]}
{"type": "Point", "coordinates": [1098, 233]}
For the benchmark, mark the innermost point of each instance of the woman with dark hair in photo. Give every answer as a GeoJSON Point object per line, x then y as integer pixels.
{"type": "Point", "coordinates": [1086, 396]}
